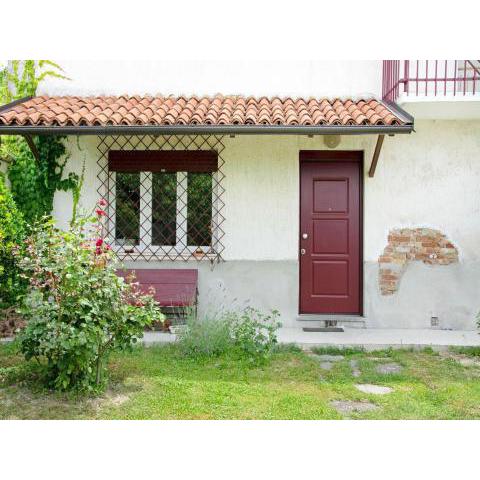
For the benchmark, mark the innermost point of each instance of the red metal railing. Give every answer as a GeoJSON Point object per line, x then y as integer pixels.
{"type": "Point", "coordinates": [430, 78]}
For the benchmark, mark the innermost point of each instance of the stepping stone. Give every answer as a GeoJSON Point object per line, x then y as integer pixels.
{"type": "Point", "coordinates": [375, 389]}
{"type": "Point", "coordinates": [330, 358]}
{"type": "Point", "coordinates": [388, 368]}
{"type": "Point", "coordinates": [347, 406]}
{"type": "Point", "coordinates": [355, 370]}
{"type": "Point", "coordinates": [467, 362]}
{"type": "Point", "coordinates": [326, 365]}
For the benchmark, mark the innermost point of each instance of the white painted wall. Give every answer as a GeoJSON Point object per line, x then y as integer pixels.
{"type": "Point", "coordinates": [296, 78]}
{"type": "Point", "coordinates": [431, 178]}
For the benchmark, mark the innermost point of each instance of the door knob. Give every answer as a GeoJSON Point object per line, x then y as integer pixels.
{"type": "Point", "coordinates": [304, 236]}
{"type": "Point", "coordinates": [302, 251]}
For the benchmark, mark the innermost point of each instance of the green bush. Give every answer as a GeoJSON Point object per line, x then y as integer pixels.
{"type": "Point", "coordinates": [77, 309]}
{"type": "Point", "coordinates": [12, 229]}
{"type": "Point", "coordinates": [248, 333]}
{"type": "Point", "coordinates": [34, 183]}
{"type": "Point", "coordinates": [254, 333]}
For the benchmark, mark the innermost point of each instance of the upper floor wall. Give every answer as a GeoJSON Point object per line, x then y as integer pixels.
{"type": "Point", "coordinates": [269, 78]}
{"type": "Point", "coordinates": [434, 89]}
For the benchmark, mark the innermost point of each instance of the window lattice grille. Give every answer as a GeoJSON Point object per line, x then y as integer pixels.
{"type": "Point", "coordinates": [163, 216]}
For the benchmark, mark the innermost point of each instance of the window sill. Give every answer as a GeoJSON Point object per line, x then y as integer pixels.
{"type": "Point", "coordinates": [184, 257]}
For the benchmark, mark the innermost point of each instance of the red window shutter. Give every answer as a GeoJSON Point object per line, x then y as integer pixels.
{"type": "Point", "coordinates": [197, 161]}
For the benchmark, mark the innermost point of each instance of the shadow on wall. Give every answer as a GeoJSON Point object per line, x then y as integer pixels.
{"type": "Point", "coordinates": [407, 245]}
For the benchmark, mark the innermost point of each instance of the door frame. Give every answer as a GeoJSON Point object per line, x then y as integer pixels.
{"type": "Point", "coordinates": [318, 156]}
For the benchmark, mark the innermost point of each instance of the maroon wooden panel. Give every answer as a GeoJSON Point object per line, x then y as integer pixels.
{"type": "Point", "coordinates": [198, 161]}
{"type": "Point", "coordinates": [330, 232]}
{"type": "Point", "coordinates": [172, 287]}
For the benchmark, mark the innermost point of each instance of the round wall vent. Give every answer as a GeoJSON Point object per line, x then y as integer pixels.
{"type": "Point", "coordinates": [331, 141]}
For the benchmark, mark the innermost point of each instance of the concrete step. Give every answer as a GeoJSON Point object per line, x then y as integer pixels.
{"type": "Point", "coordinates": [331, 321]}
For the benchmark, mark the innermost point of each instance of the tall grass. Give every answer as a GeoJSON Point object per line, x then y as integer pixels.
{"type": "Point", "coordinates": [248, 332]}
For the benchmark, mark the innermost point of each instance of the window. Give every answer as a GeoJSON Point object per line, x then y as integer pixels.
{"type": "Point", "coordinates": [163, 203]}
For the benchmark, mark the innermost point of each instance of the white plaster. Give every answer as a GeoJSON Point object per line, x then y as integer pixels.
{"type": "Point", "coordinates": [80, 149]}
{"type": "Point", "coordinates": [429, 178]}
{"type": "Point", "coordinates": [442, 108]}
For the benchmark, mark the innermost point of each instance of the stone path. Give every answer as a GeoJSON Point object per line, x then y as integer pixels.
{"type": "Point", "coordinates": [327, 361]}
{"type": "Point", "coordinates": [468, 362]}
{"type": "Point", "coordinates": [388, 368]}
{"type": "Point", "coordinates": [462, 359]}
{"type": "Point", "coordinates": [326, 365]}
{"type": "Point", "coordinates": [347, 406]}
{"type": "Point", "coordinates": [355, 369]}
{"type": "Point", "coordinates": [375, 389]}
{"type": "Point", "coordinates": [330, 358]}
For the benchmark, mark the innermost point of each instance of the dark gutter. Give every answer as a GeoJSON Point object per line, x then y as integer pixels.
{"type": "Point", "coordinates": [206, 129]}
{"type": "Point", "coordinates": [399, 111]}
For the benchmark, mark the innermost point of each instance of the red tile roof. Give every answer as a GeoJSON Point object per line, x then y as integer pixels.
{"type": "Point", "coordinates": [178, 111]}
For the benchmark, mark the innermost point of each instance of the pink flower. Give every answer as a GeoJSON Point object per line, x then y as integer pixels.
{"type": "Point", "coordinates": [100, 212]}
{"type": "Point", "coordinates": [102, 202]}
{"type": "Point", "coordinates": [99, 242]}
{"type": "Point", "coordinates": [108, 247]}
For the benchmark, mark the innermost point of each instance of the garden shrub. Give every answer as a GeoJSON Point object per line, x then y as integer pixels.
{"type": "Point", "coordinates": [248, 333]}
{"type": "Point", "coordinates": [12, 229]}
{"type": "Point", "coordinates": [254, 332]}
{"type": "Point", "coordinates": [77, 309]}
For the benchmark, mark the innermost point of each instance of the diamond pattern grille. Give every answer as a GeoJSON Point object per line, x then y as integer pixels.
{"type": "Point", "coordinates": [163, 216]}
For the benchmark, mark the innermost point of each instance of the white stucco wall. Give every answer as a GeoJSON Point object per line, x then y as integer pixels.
{"type": "Point", "coordinates": [298, 78]}
{"type": "Point", "coordinates": [431, 177]}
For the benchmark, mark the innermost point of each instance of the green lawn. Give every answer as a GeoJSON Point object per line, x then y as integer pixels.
{"type": "Point", "coordinates": [158, 383]}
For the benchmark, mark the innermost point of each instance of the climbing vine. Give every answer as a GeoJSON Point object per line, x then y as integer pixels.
{"type": "Point", "coordinates": [20, 78]}
{"type": "Point", "coordinates": [33, 182]}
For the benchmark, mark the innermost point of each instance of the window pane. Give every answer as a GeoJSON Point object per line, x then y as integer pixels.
{"type": "Point", "coordinates": [127, 204]}
{"type": "Point", "coordinates": [164, 209]}
{"type": "Point", "coordinates": [199, 207]}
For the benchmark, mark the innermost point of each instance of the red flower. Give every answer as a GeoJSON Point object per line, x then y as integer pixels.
{"type": "Point", "coordinates": [102, 202]}
{"type": "Point", "coordinates": [100, 212]}
{"type": "Point", "coordinates": [98, 251]}
{"type": "Point", "coordinates": [99, 242]}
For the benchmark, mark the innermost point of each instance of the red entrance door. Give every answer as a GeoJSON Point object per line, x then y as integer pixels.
{"type": "Point", "coordinates": [330, 232]}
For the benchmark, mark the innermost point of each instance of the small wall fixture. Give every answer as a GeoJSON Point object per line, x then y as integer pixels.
{"type": "Point", "coordinates": [434, 322]}
{"type": "Point", "coordinates": [331, 141]}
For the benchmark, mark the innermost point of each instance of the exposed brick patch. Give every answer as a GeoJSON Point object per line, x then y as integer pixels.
{"type": "Point", "coordinates": [412, 244]}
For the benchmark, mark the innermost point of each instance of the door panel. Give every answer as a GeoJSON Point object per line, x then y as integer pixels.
{"type": "Point", "coordinates": [330, 233]}
{"type": "Point", "coordinates": [330, 236]}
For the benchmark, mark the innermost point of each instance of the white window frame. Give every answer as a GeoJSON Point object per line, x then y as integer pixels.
{"type": "Point", "coordinates": [145, 240]}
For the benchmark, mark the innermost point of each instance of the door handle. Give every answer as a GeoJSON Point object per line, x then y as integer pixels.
{"type": "Point", "coordinates": [302, 251]}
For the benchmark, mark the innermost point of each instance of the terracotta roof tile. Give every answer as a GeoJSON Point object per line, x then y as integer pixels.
{"type": "Point", "coordinates": [217, 110]}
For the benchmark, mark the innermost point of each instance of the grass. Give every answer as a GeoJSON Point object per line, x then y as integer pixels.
{"type": "Point", "coordinates": [158, 383]}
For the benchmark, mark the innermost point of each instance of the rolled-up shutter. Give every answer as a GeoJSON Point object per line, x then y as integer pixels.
{"type": "Point", "coordinates": [197, 161]}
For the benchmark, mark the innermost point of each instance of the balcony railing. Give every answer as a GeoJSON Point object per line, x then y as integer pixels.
{"type": "Point", "coordinates": [430, 78]}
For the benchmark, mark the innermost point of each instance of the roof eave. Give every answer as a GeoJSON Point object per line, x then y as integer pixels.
{"type": "Point", "coordinates": [207, 129]}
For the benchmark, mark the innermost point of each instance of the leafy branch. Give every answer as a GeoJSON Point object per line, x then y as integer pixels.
{"type": "Point", "coordinates": [33, 184]}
